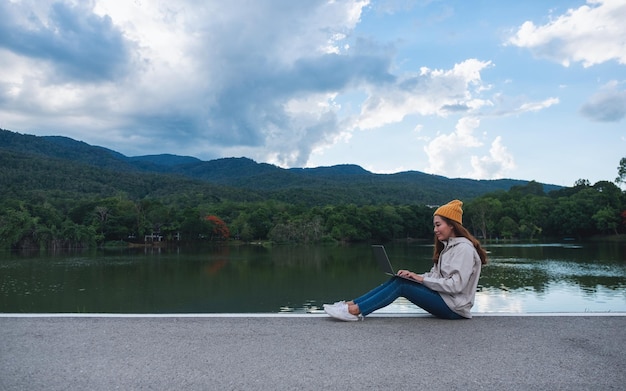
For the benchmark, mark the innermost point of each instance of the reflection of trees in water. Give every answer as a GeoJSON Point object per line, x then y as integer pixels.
{"type": "Point", "coordinates": [511, 276]}
{"type": "Point", "coordinates": [539, 275]}
{"type": "Point", "coordinates": [591, 284]}
{"type": "Point", "coordinates": [604, 252]}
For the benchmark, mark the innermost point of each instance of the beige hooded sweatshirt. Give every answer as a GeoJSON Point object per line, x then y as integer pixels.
{"type": "Point", "coordinates": [455, 276]}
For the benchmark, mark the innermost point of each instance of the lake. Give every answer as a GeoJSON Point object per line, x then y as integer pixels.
{"type": "Point", "coordinates": [520, 278]}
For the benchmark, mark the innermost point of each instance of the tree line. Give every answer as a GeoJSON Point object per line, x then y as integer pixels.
{"type": "Point", "coordinates": [523, 213]}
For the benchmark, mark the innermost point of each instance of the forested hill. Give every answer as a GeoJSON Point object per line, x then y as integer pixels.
{"type": "Point", "coordinates": [35, 164]}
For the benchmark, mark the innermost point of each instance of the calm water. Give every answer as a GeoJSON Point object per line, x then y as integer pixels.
{"type": "Point", "coordinates": [520, 278]}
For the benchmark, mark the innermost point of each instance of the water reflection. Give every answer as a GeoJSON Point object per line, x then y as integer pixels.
{"type": "Point", "coordinates": [519, 278]}
{"type": "Point", "coordinates": [554, 278]}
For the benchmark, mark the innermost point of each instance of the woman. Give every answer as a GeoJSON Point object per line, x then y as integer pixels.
{"type": "Point", "coordinates": [447, 291]}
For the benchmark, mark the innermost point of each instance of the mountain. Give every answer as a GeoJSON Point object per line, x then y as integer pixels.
{"type": "Point", "coordinates": [166, 160]}
{"type": "Point", "coordinates": [63, 148]}
{"type": "Point", "coordinates": [51, 163]}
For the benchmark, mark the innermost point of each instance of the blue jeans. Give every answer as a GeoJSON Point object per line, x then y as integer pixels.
{"type": "Point", "coordinates": [416, 293]}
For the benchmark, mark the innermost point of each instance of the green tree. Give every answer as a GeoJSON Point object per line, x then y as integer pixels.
{"type": "Point", "coordinates": [260, 222]}
{"type": "Point", "coordinates": [385, 222]}
{"type": "Point", "coordinates": [607, 219]}
{"type": "Point", "coordinates": [416, 221]}
{"type": "Point", "coordinates": [608, 194]}
{"type": "Point", "coordinates": [573, 215]}
{"type": "Point", "coordinates": [193, 225]}
{"type": "Point", "coordinates": [102, 216]}
{"type": "Point", "coordinates": [528, 229]}
{"type": "Point", "coordinates": [297, 231]}
{"type": "Point", "coordinates": [582, 183]}
{"type": "Point", "coordinates": [621, 171]}
{"type": "Point", "coordinates": [483, 214]}
{"type": "Point", "coordinates": [507, 227]}
{"type": "Point", "coordinates": [17, 228]}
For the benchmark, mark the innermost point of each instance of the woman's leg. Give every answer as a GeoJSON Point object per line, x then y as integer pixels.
{"type": "Point", "coordinates": [379, 297]}
{"type": "Point", "coordinates": [429, 300]}
{"type": "Point", "coordinates": [373, 292]}
{"type": "Point", "coordinates": [416, 293]}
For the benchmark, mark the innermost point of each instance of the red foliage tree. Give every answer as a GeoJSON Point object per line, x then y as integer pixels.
{"type": "Point", "coordinates": [220, 229]}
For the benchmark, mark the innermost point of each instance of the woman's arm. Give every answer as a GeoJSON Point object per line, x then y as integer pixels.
{"type": "Point", "coordinates": [409, 274]}
{"type": "Point", "coordinates": [456, 269]}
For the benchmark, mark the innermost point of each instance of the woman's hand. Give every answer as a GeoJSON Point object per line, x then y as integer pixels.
{"type": "Point", "coordinates": [411, 275]}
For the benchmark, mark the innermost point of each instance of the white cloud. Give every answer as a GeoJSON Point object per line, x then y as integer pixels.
{"type": "Point", "coordinates": [591, 34]}
{"type": "Point", "coordinates": [494, 166]}
{"type": "Point", "coordinates": [537, 106]}
{"type": "Point", "coordinates": [453, 154]}
{"type": "Point", "coordinates": [504, 106]}
{"type": "Point", "coordinates": [432, 92]}
{"type": "Point", "coordinates": [448, 153]}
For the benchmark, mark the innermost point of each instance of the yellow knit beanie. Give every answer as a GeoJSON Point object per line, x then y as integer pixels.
{"type": "Point", "coordinates": [451, 210]}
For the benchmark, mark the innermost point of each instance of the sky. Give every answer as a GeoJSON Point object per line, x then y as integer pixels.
{"type": "Point", "coordinates": [483, 89]}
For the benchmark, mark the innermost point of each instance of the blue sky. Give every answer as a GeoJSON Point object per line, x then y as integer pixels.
{"type": "Point", "coordinates": [532, 90]}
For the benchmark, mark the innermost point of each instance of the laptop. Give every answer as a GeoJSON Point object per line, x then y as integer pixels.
{"type": "Point", "coordinates": [385, 263]}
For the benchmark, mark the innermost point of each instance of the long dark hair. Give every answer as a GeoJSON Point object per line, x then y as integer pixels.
{"type": "Point", "coordinates": [459, 230]}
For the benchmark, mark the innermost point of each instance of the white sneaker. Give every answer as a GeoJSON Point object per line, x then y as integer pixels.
{"type": "Point", "coordinates": [340, 311]}
{"type": "Point", "coordinates": [335, 304]}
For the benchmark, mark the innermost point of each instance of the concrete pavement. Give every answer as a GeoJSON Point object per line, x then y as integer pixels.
{"type": "Point", "coordinates": [312, 352]}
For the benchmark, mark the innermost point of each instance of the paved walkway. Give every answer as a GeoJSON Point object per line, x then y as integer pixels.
{"type": "Point", "coordinates": [312, 352]}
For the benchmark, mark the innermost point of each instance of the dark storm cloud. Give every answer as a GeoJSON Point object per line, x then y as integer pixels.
{"type": "Point", "coordinates": [332, 72]}
{"type": "Point", "coordinates": [254, 78]}
{"type": "Point", "coordinates": [79, 44]}
{"type": "Point", "coordinates": [606, 106]}
{"type": "Point", "coordinates": [254, 102]}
